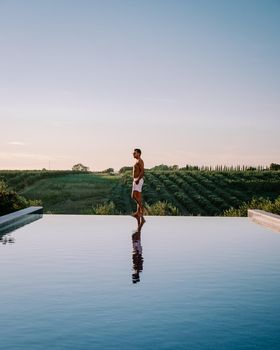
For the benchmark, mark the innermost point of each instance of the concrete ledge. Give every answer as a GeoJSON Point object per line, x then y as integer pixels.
{"type": "Point", "coordinates": [19, 218]}
{"type": "Point", "coordinates": [265, 218]}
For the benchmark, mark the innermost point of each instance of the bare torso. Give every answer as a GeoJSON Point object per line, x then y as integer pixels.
{"type": "Point", "coordinates": [138, 167]}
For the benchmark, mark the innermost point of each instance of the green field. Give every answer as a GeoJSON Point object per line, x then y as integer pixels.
{"type": "Point", "coordinates": [192, 192]}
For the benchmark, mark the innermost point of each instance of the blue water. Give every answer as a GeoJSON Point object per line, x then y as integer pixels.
{"type": "Point", "coordinates": [81, 282]}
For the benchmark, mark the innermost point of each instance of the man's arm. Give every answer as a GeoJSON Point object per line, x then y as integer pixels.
{"type": "Point", "coordinates": [141, 174]}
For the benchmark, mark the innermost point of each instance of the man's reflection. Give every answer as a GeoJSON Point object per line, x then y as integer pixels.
{"type": "Point", "coordinates": [137, 257]}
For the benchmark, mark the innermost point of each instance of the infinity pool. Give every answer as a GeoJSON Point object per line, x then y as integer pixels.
{"type": "Point", "coordinates": [90, 282]}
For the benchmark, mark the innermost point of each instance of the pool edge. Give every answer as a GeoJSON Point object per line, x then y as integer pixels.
{"type": "Point", "coordinates": [265, 218]}
{"type": "Point", "coordinates": [19, 218]}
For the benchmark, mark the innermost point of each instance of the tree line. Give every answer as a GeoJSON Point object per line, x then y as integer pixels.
{"type": "Point", "coordinates": [164, 167]}
{"type": "Point", "coordinates": [79, 167]}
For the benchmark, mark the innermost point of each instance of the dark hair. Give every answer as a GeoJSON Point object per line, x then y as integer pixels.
{"type": "Point", "coordinates": [137, 150]}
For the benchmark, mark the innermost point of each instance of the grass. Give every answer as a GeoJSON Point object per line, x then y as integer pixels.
{"type": "Point", "coordinates": [186, 192]}
{"type": "Point", "coordinates": [72, 194]}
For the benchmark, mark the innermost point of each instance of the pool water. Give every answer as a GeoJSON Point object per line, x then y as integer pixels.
{"type": "Point", "coordinates": [93, 282]}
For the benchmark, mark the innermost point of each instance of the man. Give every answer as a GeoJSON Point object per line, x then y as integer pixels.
{"type": "Point", "coordinates": [138, 180]}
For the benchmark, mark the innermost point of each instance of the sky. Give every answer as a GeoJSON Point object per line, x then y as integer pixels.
{"type": "Point", "coordinates": [187, 81]}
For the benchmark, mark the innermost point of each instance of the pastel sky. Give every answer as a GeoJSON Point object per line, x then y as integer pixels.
{"type": "Point", "coordinates": [189, 82]}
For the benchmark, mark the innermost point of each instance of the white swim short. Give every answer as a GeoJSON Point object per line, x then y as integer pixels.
{"type": "Point", "coordinates": [138, 187]}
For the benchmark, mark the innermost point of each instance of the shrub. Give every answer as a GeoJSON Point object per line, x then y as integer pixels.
{"type": "Point", "coordinates": [162, 208]}
{"type": "Point", "coordinates": [256, 203]}
{"type": "Point", "coordinates": [108, 208]}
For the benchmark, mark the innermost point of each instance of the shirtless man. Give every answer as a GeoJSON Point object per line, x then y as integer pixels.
{"type": "Point", "coordinates": [138, 180]}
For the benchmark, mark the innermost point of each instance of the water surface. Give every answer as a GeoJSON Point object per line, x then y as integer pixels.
{"type": "Point", "coordinates": [88, 282]}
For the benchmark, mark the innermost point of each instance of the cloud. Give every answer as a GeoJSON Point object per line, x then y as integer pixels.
{"type": "Point", "coordinates": [16, 143]}
{"type": "Point", "coordinates": [11, 155]}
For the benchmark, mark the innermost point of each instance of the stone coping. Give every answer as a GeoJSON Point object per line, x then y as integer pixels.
{"type": "Point", "coordinates": [19, 218]}
{"type": "Point", "coordinates": [265, 218]}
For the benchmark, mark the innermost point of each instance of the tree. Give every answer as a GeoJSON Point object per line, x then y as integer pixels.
{"type": "Point", "coordinates": [251, 168]}
{"type": "Point", "coordinates": [80, 167]}
{"type": "Point", "coordinates": [108, 171]}
{"type": "Point", "coordinates": [160, 167]}
{"type": "Point", "coordinates": [274, 166]}
{"type": "Point", "coordinates": [125, 169]}
{"type": "Point", "coordinates": [10, 201]}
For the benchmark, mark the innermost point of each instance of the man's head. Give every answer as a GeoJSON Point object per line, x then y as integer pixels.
{"type": "Point", "coordinates": [137, 153]}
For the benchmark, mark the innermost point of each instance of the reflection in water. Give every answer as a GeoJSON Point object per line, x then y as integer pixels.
{"type": "Point", "coordinates": [137, 257]}
{"type": "Point", "coordinates": [9, 226]}
{"type": "Point", "coordinates": [4, 239]}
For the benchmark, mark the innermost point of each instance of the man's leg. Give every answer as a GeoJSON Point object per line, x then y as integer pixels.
{"type": "Point", "coordinates": [140, 210]}
{"type": "Point", "coordinates": [137, 196]}
{"type": "Point", "coordinates": [133, 196]}
{"type": "Point", "coordinates": [138, 199]}
{"type": "Point", "coordinates": [141, 207]}
{"type": "Point", "coordinates": [136, 214]}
